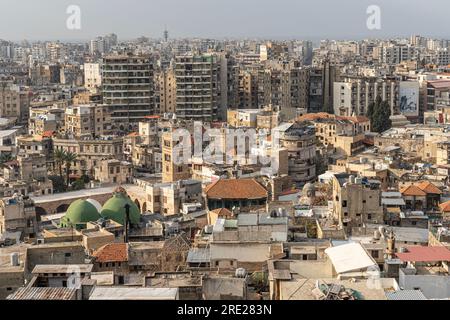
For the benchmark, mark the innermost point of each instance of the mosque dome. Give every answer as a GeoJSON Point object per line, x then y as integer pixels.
{"type": "Point", "coordinates": [95, 203]}
{"type": "Point", "coordinates": [114, 208]}
{"type": "Point", "coordinates": [80, 212]}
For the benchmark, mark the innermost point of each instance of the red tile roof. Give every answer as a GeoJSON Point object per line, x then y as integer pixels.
{"type": "Point", "coordinates": [445, 207]}
{"type": "Point", "coordinates": [223, 212]}
{"type": "Point", "coordinates": [428, 187]}
{"type": "Point", "coordinates": [440, 84]}
{"type": "Point", "coordinates": [48, 134]}
{"type": "Point", "coordinates": [236, 189]}
{"type": "Point", "coordinates": [288, 192]}
{"type": "Point", "coordinates": [314, 116]}
{"type": "Point", "coordinates": [412, 190]}
{"type": "Point", "coordinates": [425, 254]}
{"type": "Point", "coordinates": [112, 252]}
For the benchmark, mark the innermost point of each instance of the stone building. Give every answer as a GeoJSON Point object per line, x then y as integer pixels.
{"type": "Point", "coordinates": [113, 171]}
{"type": "Point", "coordinates": [171, 170]}
{"type": "Point", "coordinates": [300, 141]}
{"type": "Point", "coordinates": [167, 198]}
{"type": "Point", "coordinates": [18, 214]}
{"type": "Point", "coordinates": [356, 201]}
{"type": "Point", "coordinates": [90, 152]}
{"type": "Point", "coordinates": [88, 121]}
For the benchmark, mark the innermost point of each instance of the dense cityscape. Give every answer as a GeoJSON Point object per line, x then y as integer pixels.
{"type": "Point", "coordinates": [203, 169]}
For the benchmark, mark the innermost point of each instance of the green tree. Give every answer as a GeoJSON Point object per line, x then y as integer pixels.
{"type": "Point", "coordinates": [379, 113]}
{"type": "Point", "coordinates": [59, 155]}
{"type": "Point", "coordinates": [371, 107]}
{"type": "Point", "coordinates": [69, 158]}
{"type": "Point", "coordinates": [59, 185]}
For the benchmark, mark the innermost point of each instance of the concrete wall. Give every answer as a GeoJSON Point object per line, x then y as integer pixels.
{"type": "Point", "coordinates": [213, 288]}
{"type": "Point", "coordinates": [433, 287]}
{"type": "Point", "coordinates": [10, 281]}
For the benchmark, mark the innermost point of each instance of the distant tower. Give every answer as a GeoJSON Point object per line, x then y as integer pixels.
{"type": "Point", "coordinates": [166, 34]}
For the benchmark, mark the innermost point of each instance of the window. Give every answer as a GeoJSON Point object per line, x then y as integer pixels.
{"type": "Point", "coordinates": [344, 203]}
{"type": "Point", "coordinates": [67, 254]}
{"type": "Point", "coordinates": [375, 254]}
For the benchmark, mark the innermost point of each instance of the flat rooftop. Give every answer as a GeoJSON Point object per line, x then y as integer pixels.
{"type": "Point", "coordinates": [134, 293]}
{"type": "Point", "coordinates": [301, 289]}
{"type": "Point", "coordinates": [62, 268]}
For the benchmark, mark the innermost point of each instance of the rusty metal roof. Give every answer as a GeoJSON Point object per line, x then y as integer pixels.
{"type": "Point", "coordinates": [38, 293]}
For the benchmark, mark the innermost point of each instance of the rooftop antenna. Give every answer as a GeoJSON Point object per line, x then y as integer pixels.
{"type": "Point", "coordinates": [166, 33]}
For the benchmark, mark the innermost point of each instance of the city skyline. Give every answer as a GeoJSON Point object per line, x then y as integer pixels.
{"type": "Point", "coordinates": [232, 19]}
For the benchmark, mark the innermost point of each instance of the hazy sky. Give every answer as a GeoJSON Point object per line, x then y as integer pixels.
{"type": "Point", "coordinates": [340, 19]}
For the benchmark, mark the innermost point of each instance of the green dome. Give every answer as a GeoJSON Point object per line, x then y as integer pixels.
{"type": "Point", "coordinates": [114, 209]}
{"type": "Point", "coordinates": [79, 212]}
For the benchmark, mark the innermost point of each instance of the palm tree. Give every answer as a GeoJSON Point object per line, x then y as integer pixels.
{"type": "Point", "coordinates": [70, 157]}
{"type": "Point", "coordinates": [59, 156]}
{"type": "Point", "coordinates": [5, 157]}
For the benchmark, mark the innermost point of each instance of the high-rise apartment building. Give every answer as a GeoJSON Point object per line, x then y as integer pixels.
{"type": "Point", "coordinates": [128, 87]}
{"type": "Point", "coordinates": [354, 95]}
{"type": "Point", "coordinates": [198, 87]}
{"type": "Point", "coordinates": [394, 54]}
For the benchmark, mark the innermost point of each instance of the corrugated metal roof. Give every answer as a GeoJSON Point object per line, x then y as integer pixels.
{"type": "Point", "coordinates": [38, 293]}
{"type": "Point", "coordinates": [418, 235]}
{"type": "Point", "coordinates": [406, 295]}
{"type": "Point", "coordinates": [199, 255]}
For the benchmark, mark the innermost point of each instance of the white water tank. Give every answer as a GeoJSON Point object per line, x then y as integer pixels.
{"type": "Point", "coordinates": [241, 273]}
{"type": "Point", "coordinates": [14, 259]}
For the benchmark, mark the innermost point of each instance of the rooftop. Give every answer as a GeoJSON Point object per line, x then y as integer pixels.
{"type": "Point", "coordinates": [236, 189]}
{"type": "Point", "coordinates": [132, 293]}
{"type": "Point", "coordinates": [349, 257]}
{"type": "Point", "coordinates": [425, 254]}
{"type": "Point", "coordinates": [62, 268]}
{"type": "Point", "coordinates": [112, 252]}
{"type": "Point", "coordinates": [43, 293]}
